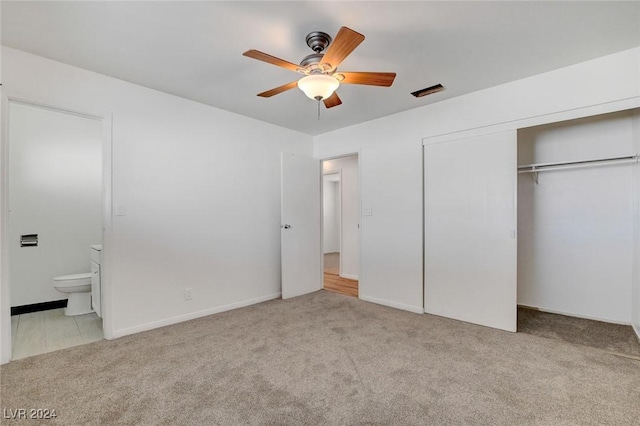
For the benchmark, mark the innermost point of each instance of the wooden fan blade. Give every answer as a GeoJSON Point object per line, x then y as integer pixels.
{"type": "Point", "coordinates": [345, 42]}
{"type": "Point", "coordinates": [333, 100]}
{"type": "Point", "coordinates": [261, 56]}
{"type": "Point", "coordinates": [384, 79]}
{"type": "Point", "coordinates": [280, 89]}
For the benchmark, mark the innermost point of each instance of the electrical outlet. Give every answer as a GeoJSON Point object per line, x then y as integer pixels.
{"type": "Point", "coordinates": [188, 294]}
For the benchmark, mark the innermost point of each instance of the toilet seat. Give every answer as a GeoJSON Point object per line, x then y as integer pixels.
{"type": "Point", "coordinates": [78, 288]}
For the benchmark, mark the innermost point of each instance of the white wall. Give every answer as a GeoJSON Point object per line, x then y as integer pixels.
{"type": "Point", "coordinates": [331, 214]}
{"type": "Point", "coordinates": [636, 254]}
{"type": "Point", "coordinates": [55, 178]}
{"type": "Point", "coordinates": [350, 215]}
{"type": "Point", "coordinates": [575, 227]}
{"type": "Point", "coordinates": [201, 189]}
{"type": "Point", "coordinates": [391, 158]}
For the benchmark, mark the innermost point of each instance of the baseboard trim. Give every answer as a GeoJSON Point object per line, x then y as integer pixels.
{"type": "Point", "coordinates": [193, 315]}
{"type": "Point", "coordinates": [396, 305]}
{"type": "Point", "coordinates": [37, 307]}
{"type": "Point", "coordinates": [571, 314]}
{"type": "Point", "coordinates": [349, 277]}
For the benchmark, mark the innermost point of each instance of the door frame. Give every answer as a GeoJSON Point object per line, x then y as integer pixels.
{"type": "Point", "coordinates": [6, 98]}
{"type": "Point", "coordinates": [358, 155]}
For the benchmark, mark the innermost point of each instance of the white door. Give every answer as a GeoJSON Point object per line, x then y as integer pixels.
{"type": "Point", "coordinates": [300, 232]}
{"type": "Point", "coordinates": [470, 223]}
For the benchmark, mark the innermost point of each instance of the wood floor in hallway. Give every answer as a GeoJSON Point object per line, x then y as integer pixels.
{"type": "Point", "coordinates": [337, 284]}
{"type": "Point", "coordinates": [333, 281]}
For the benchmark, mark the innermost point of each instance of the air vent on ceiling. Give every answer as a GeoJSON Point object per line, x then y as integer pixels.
{"type": "Point", "coordinates": [429, 90]}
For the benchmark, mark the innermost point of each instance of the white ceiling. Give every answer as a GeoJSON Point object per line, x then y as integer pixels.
{"type": "Point", "coordinates": [194, 49]}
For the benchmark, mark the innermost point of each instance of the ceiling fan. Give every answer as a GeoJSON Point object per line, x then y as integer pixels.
{"type": "Point", "coordinates": [320, 69]}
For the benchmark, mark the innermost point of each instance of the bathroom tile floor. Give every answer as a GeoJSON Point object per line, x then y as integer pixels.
{"type": "Point", "coordinates": [46, 331]}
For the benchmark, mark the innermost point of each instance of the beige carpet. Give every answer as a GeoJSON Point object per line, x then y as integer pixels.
{"type": "Point", "coordinates": [606, 336]}
{"type": "Point", "coordinates": [327, 359]}
{"type": "Point", "coordinates": [332, 263]}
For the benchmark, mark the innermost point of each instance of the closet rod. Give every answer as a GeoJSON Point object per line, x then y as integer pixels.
{"type": "Point", "coordinates": [535, 168]}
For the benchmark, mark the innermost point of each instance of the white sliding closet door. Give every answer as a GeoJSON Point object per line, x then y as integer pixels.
{"type": "Point", "coordinates": [470, 223]}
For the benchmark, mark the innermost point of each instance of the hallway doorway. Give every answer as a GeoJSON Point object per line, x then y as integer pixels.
{"type": "Point", "coordinates": [340, 225]}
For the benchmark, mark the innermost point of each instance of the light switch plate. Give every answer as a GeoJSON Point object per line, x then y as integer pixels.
{"type": "Point", "coordinates": [121, 209]}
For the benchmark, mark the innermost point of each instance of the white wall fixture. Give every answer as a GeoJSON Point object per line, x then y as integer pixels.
{"type": "Point", "coordinates": [55, 191]}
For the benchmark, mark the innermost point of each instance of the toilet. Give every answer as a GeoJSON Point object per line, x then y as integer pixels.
{"type": "Point", "coordinates": [78, 287]}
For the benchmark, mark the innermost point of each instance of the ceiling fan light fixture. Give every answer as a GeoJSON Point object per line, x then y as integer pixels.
{"type": "Point", "coordinates": [318, 86]}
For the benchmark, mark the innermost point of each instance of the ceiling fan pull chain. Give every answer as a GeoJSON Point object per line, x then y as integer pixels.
{"type": "Point", "coordinates": [318, 110]}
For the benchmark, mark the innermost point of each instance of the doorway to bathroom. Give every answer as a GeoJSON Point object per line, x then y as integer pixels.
{"type": "Point", "coordinates": [341, 225]}
{"type": "Point", "coordinates": [54, 223]}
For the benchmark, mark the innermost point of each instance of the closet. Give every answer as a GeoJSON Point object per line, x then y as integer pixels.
{"type": "Point", "coordinates": [546, 217]}
{"type": "Point", "coordinates": [576, 217]}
